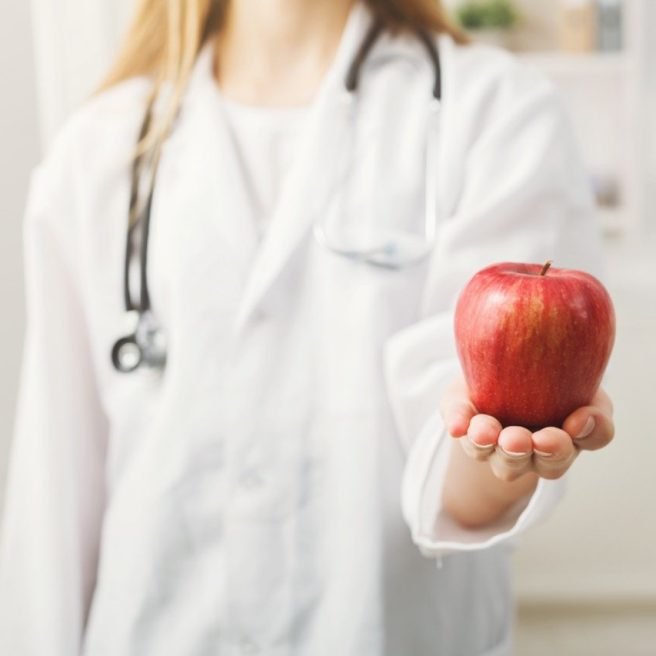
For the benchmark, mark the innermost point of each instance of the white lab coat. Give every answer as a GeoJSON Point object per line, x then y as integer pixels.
{"type": "Point", "coordinates": [277, 489]}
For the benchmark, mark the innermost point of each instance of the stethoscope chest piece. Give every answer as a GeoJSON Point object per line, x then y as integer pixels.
{"type": "Point", "coordinates": [126, 354]}
{"type": "Point", "coordinates": [143, 346]}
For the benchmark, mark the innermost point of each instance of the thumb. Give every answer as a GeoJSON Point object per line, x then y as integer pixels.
{"type": "Point", "coordinates": [456, 408]}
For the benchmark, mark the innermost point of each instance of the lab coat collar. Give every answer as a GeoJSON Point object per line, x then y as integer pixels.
{"type": "Point", "coordinates": [210, 158]}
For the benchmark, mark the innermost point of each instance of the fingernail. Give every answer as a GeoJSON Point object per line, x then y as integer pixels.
{"type": "Point", "coordinates": [482, 447]}
{"type": "Point", "coordinates": [587, 429]}
{"type": "Point", "coordinates": [513, 454]}
{"type": "Point", "coordinates": [542, 453]}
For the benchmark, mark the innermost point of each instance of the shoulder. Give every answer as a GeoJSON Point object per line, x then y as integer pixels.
{"type": "Point", "coordinates": [489, 91]}
{"type": "Point", "coordinates": [489, 65]}
{"type": "Point", "coordinates": [95, 126]}
{"type": "Point", "coordinates": [89, 158]}
{"type": "Point", "coordinates": [94, 144]}
{"type": "Point", "coordinates": [487, 75]}
{"type": "Point", "coordinates": [97, 135]}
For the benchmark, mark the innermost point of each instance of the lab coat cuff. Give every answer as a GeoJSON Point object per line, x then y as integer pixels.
{"type": "Point", "coordinates": [433, 531]}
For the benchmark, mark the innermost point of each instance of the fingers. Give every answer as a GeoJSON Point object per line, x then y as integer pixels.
{"type": "Point", "coordinates": [482, 436]}
{"type": "Point", "coordinates": [512, 457]}
{"type": "Point", "coordinates": [516, 441]}
{"type": "Point", "coordinates": [514, 451]}
{"type": "Point", "coordinates": [591, 427]}
{"type": "Point", "coordinates": [484, 430]}
{"type": "Point", "coordinates": [553, 452]}
{"type": "Point", "coordinates": [457, 409]}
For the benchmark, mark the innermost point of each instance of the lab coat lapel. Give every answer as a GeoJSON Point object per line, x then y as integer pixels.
{"type": "Point", "coordinates": [314, 175]}
{"type": "Point", "coordinates": [218, 197]}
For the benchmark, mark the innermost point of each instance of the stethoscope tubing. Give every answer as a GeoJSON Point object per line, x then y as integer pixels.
{"type": "Point", "coordinates": [131, 351]}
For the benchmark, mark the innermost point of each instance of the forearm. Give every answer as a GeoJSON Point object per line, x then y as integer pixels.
{"type": "Point", "coordinates": [474, 496]}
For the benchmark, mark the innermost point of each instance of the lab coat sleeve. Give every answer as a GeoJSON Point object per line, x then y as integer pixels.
{"type": "Point", "coordinates": [524, 197]}
{"type": "Point", "coordinates": [55, 492]}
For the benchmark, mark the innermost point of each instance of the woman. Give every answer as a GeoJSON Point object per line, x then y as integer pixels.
{"type": "Point", "coordinates": [286, 483]}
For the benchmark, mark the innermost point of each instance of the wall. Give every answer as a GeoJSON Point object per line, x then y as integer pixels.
{"type": "Point", "coordinates": [650, 111]}
{"type": "Point", "coordinates": [20, 150]}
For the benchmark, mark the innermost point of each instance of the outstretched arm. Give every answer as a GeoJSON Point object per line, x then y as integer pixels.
{"type": "Point", "coordinates": [498, 466]}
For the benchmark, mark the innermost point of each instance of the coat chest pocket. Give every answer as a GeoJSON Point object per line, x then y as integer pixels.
{"type": "Point", "coordinates": [351, 285]}
{"type": "Point", "coordinates": [356, 307]}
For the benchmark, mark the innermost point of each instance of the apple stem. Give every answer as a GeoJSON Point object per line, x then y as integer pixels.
{"type": "Point", "coordinates": [546, 267]}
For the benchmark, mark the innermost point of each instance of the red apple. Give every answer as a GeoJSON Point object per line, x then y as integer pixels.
{"type": "Point", "coordinates": [533, 341]}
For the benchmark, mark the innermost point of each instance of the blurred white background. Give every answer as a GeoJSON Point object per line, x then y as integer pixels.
{"type": "Point", "coordinates": [586, 580]}
{"type": "Point", "coordinates": [19, 136]}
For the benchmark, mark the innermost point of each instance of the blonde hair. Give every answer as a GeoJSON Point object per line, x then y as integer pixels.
{"type": "Point", "coordinates": [166, 36]}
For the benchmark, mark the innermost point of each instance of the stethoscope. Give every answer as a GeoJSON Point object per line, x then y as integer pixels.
{"type": "Point", "coordinates": [144, 344]}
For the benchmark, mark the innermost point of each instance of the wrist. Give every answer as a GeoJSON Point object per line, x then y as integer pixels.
{"type": "Point", "coordinates": [474, 497]}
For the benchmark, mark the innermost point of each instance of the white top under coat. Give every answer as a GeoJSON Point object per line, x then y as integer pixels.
{"type": "Point", "coordinates": [266, 141]}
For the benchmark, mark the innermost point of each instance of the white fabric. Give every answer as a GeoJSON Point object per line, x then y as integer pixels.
{"type": "Point", "coordinates": [250, 497]}
{"type": "Point", "coordinates": [266, 139]}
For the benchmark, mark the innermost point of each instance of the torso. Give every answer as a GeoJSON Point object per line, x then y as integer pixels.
{"type": "Point", "coordinates": [254, 485]}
